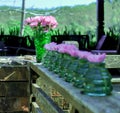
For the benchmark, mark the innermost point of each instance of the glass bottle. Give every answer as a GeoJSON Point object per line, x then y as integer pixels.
{"type": "Point", "coordinates": [79, 77]}
{"type": "Point", "coordinates": [51, 58]}
{"type": "Point", "coordinates": [64, 65]}
{"type": "Point", "coordinates": [54, 59]}
{"type": "Point", "coordinates": [71, 69]}
{"type": "Point", "coordinates": [46, 57]}
{"type": "Point", "coordinates": [97, 80]}
{"type": "Point", "coordinates": [57, 63]}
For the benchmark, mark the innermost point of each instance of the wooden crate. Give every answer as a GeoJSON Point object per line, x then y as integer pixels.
{"type": "Point", "coordinates": [13, 104]}
{"type": "Point", "coordinates": [14, 88]}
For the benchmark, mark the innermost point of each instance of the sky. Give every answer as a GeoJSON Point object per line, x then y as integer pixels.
{"type": "Point", "coordinates": [43, 4]}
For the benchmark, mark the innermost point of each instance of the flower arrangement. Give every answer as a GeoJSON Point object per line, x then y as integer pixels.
{"type": "Point", "coordinates": [41, 26]}
{"type": "Point", "coordinates": [59, 54]}
{"type": "Point", "coordinates": [41, 23]}
{"type": "Point", "coordinates": [81, 68]}
{"type": "Point", "coordinates": [73, 51]}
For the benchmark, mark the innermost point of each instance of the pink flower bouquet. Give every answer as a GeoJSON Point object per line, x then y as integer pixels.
{"type": "Point", "coordinates": [41, 26]}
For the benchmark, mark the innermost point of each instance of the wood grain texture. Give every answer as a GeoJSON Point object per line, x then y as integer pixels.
{"type": "Point", "coordinates": [83, 103]}
{"type": "Point", "coordinates": [36, 108]}
{"type": "Point", "coordinates": [13, 104]}
{"type": "Point", "coordinates": [112, 61]}
{"type": "Point", "coordinates": [9, 73]}
{"type": "Point", "coordinates": [14, 88]}
{"type": "Point", "coordinates": [45, 102]}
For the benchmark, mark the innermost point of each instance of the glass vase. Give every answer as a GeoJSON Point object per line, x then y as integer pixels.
{"type": "Point", "coordinates": [39, 46]}
{"type": "Point", "coordinates": [46, 58]}
{"type": "Point", "coordinates": [58, 63]}
{"type": "Point", "coordinates": [79, 76]}
{"type": "Point", "coordinates": [52, 60]}
{"type": "Point", "coordinates": [71, 69]}
{"type": "Point", "coordinates": [97, 80]}
{"type": "Point", "coordinates": [66, 59]}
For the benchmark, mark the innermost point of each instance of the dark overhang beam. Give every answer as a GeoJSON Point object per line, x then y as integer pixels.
{"type": "Point", "coordinates": [100, 18]}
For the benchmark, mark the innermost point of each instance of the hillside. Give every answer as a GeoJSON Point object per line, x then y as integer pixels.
{"type": "Point", "coordinates": [66, 16]}
{"type": "Point", "coordinates": [80, 18]}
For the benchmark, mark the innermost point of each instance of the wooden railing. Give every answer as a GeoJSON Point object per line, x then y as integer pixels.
{"type": "Point", "coordinates": [51, 94]}
{"type": "Point", "coordinates": [16, 45]}
{"type": "Point", "coordinates": [27, 86]}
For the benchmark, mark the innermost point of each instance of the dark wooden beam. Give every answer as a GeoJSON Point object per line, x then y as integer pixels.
{"type": "Point", "coordinates": [100, 18]}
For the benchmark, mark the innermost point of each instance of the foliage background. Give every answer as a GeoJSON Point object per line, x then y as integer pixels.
{"type": "Point", "coordinates": [80, 19]}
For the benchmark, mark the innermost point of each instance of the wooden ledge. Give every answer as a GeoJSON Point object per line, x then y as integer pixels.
{"type": "Point", "coordinates": [112, 61]}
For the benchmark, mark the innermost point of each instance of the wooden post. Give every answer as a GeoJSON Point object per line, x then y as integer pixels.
{"type": "Point", "coordinates": [22, 18]}
{"type": "Point", "coordinates": [100, 18]}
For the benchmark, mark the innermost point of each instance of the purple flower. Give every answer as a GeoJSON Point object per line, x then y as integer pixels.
{"type": "Point", "coordinates": [51, 46]}
{"type": "Point", "coordinates": [73, 53]}
{"type": "Point", "coordinates": [66, 48]}
{"type": "Point", "coordinates": [96, 58]}
{"type": "Point", "coordinates": [84, 54]}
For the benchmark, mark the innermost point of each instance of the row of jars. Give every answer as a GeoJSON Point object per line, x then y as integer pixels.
{"type": "Point", "coordinates": [92, 78]}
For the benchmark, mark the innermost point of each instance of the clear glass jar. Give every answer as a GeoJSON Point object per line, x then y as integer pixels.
{"type": "Point", "coordinates": [57, 63]}
{"type": "Point", "coordinates": [66, 59]}
{"type": "Point", "coordinates": [79, 77]}
{"type": "Point", "coordinates": [54, 61]}
{"type": "Point", "coordinates": [46, 57]}
{"type": "Point", "coordinates": [97, 80]}
{"type": "Point", "coordinates": [71, 69]}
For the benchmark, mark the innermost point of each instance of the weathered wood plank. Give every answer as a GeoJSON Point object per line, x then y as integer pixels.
{"type": "Point", "coordinates": [9, 73]}
{"type": "Point", "coordinates": [83, 103]}
{"type": "Point", "coordinates": [14, 89]}
{"type": "Point", "coordinates": [115, 80]}
{"type": "Point", "coordinates": [44, 101]}
{"type": "Point", "coordinates": [15, 112]}
{"type": "Point", "coordinates": [66, 89]}
{"type": "Point", "coordinates": [112, 61]}
{"type": "Point", "coordinates": [54, 94]}
{"type": "Point", "coordinates": [13, 104]}
{"type": "Point", "coordinates": [36, 108]}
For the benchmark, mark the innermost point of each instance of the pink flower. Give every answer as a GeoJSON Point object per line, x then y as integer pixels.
{"type": "Point", "coordinates": [45, 22]}
{"type": "Point", "coordinates": [52, 22]}
{"type": "Point", "coordinates": [33, 24]}
{"type": "Point", "coordinates": [62, 48]}
{"type": "Point", "coordinates": [74, 53]}
{"type": "Point", "coordinates": [37, 19]}
{"type": "Point", "coordinates": [27, 21]}
{"type": "Point", "coordinates": [84, 54]}
{"type": "Point", "coordinates": [66, 48]}
{"type": "Point", "coordinates": [51, 46]}
{"type": "Point", "coordinates": [96, 58]}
